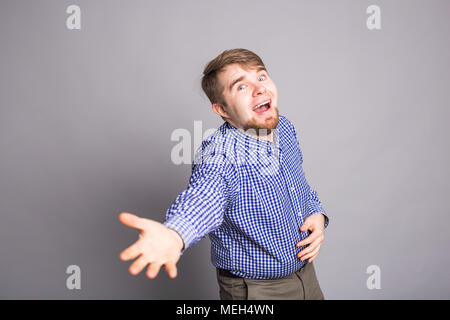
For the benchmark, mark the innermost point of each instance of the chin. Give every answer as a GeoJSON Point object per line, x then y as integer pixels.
{"type": "Point", "coordinates": [269, 122]}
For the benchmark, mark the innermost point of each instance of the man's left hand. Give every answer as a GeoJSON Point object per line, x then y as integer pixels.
{"type": "Point", "coordinates": [316, 223]}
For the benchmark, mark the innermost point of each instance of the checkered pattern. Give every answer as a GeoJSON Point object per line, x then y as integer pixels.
{"type": "Point", "coordinates": [251, 197]}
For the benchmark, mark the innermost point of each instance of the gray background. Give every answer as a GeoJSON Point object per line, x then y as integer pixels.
{"type": "Point", "coordinates": [86, 118]}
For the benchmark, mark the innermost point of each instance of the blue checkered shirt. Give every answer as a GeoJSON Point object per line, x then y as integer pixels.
{"type": "Point", "coordinates": [251, 197]}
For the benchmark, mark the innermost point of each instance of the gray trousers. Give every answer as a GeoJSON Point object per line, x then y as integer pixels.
{"type": "Point", "coordinates": [300, 285]}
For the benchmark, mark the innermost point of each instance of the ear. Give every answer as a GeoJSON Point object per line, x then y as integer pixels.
{"type": "Point", "coordinates": [220, 110]}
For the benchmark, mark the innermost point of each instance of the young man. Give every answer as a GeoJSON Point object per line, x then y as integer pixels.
{"type": "Point", "coordinates": [247, 191]}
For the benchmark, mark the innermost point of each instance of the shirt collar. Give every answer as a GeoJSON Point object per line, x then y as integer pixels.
{"type": "Point", "coordinates": [249, 141]}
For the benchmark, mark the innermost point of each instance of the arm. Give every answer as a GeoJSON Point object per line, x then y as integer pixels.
{"type": "Point", "coordinates": [316, 219]}
{"type": "Point", "coordinates": [199, 209]}
{"type": "Point", "coordinates": [195, 212]}
{"type": "Point", "coordinates": [314, 205]}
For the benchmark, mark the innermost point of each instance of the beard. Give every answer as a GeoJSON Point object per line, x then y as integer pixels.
{"type": "Point", "coordinates": [263, 127]}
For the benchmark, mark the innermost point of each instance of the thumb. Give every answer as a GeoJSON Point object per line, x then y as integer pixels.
{"type": "Point", "coordinates": [305, 226]}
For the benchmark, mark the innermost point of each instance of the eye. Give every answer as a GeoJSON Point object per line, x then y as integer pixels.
{"type": "Point", "coordinates": [262, 77]}
{"type": "Point", "coordinates": [239, 88]}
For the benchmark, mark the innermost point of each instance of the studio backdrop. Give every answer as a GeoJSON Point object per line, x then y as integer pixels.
{"type": "Point", "coordinates": [96, 97]}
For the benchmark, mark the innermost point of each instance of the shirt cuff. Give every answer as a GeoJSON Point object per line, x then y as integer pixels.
{"type": "Point", "coordinates": [324, 214]}
{"type": "Point", "coordinates": [184, 228]}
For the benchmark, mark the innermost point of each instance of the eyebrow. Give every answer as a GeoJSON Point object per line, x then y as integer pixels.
{"type": "Point", "coordinates": [260, 68]}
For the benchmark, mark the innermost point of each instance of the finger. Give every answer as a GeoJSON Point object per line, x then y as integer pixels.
{"type": "Point", "coordinates": [309, 239]}
{"type": "Point", "coordinates": [311, 254]}
{"type": "Point", "coordinates": [310, 248]}
{"type": "Point", "coordinates": [138, 265]}
{"type": "Point", "coordinates": [132, 220]}
{"type": "Point", "coordinates": [131, 252]}
{"type": "Point", "coordinates": [171, 269]}
{"type": "Point", "coordinates": [153, 270]}
{"type": "Point", "coordinates": [312, 258]}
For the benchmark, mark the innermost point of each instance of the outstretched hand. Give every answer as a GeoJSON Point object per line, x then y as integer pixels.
{"type": "Point", "coordinates": [157, 245]}
{"type": "Point", "coordinates": [315, 223]}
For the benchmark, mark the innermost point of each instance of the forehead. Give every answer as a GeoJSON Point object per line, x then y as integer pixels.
{"type": "Point", "coordinates": [236, 69]}
{"type": "Point", "coordinates": [233, 72]}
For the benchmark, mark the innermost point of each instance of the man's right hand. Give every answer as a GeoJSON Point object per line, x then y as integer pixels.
{"type": "Point", "coordinates": [157, 245]}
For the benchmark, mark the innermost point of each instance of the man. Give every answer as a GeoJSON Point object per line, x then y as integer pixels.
{"type": "Point", "coordinates": [247, 191]}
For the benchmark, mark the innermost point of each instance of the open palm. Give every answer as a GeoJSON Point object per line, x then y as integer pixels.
{"type": "Point", "coordinates": [157, 245]}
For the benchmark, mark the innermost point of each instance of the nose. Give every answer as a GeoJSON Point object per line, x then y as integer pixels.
{"type": "Point", "coordinates": [259, 89]}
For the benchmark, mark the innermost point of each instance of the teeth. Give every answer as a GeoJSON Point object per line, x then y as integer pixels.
{"type": "Point", "coordinates": [256, 107]}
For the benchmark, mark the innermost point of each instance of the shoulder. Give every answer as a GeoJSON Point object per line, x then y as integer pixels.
{"type": "Point", "coordinates": [215, 142]}
{"type": "Point", "coordinates": [215, 148]}
{"type": "Point", "coordinates": [285, 126]}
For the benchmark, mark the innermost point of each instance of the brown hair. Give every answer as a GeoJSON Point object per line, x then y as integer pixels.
{"type": "Point", "coordinates": [210, 84]}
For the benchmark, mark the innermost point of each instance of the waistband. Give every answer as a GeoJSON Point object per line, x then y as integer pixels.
{"type": "Point", "coordinates": [226, 273]}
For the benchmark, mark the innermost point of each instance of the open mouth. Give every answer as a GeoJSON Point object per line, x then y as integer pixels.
{"type": "Point", "coordinates": [262, 107]}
